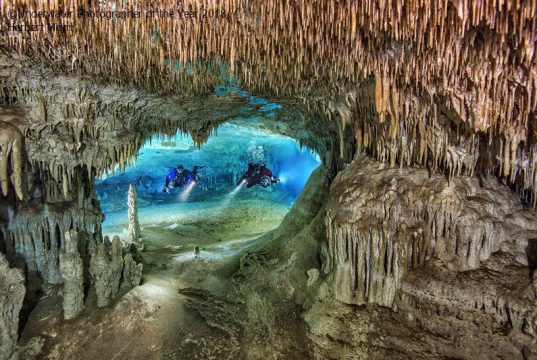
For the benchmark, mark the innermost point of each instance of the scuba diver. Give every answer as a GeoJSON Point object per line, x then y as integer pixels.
{"type": "Point", "coordinates": [258, 174]}
{"type": "Point", "coordinates": [180, 177]}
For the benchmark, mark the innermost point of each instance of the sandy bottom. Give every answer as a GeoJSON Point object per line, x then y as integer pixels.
{"type": "Point", "coordinates": [178, 312]}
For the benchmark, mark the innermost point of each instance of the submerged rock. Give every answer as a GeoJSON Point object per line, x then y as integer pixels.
{"type": "Point", "coordinates": [134, 226]}
{"type": "Point", "coordinates": [313, 276]}
{"type": "Point", "coordinates": [453, 258]}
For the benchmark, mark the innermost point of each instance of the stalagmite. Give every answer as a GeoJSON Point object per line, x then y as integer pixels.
{"type": "Point", "coordinates": [132, 273]}
{"type": "Point", "coordinates": [133, 230]}
{"type": "Point", "coordinates": [71, 269]}
{"type": "Point", "coordinates": [12, 292]}
{"type": "Point", "coordinates": [106, 267]}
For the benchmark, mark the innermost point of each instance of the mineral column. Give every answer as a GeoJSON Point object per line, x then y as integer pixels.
{"type": "Point", "coordinates": [132, 273]}
{"type": "Point", "coordinates": [134, 226]}
{"type": "Point", "coordinates": [106, 269]}
{"type": "Point", "coordinates": [72, 270]}
{"type": "Point", "coordinates": [12, 292]}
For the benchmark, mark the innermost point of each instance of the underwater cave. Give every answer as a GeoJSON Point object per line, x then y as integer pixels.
{"type": "Point", "coordinates": [236, 179]}
{"type": "Point", "coordinates": [215, 216]}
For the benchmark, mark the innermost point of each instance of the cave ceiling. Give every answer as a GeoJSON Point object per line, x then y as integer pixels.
{"type": "Point", "coordinates": [448, 85]}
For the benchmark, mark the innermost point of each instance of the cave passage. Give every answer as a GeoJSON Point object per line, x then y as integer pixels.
{"type": "Point", "coordinates": [215, 209]}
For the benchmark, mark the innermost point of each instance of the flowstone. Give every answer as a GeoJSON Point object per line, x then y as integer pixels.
{"type": "Point", "coordinates": [452, 258]}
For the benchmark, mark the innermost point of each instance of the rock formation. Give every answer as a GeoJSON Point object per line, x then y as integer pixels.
{"type": "Point", "coordinates": [37, 233]}
{"type": "Point", "coordinates": [12, 292]}
{"type": "Point", "coordinates": [448, 62]}
{"type": "Point", "coordinates": [133, 230]}
{"type": "Point", "coordinates": [442, 94]}
{"type": "Point", "coordinates": [12, 154]}
{"type": "Point", "coordinates": [72, 272]}
{"type": "Point", "coordinates": [132, 272]}
{"type": "Point", "coordinates": [111, 271]}
{"type": "Point", "coordinates": [388, 222]}
{"type": "Point", "coordinates": [423, 245]}
{"type": "Point", "coordinates": [106, 266]}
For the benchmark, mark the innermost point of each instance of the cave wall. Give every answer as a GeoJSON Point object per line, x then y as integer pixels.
{"type": "Point", "coordinates": [59, 133]}
{"type": "Point", "coordinates": [455, 257]}
{"type": "Point", "coordinates": [12, 292]}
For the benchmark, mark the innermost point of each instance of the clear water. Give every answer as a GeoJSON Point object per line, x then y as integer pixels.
{"type": "Point", "coordinates": [226, 156]}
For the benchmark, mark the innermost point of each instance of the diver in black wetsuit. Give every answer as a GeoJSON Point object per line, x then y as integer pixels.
{"type": "Point", "coordinates": [258, 174]}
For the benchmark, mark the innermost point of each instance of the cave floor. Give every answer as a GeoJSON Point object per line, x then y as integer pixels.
{"type": "Point", "coordinates": [186, 307]}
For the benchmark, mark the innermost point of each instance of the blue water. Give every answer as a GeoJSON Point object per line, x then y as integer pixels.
{"type": "Point", "coordinates": [226, 156]}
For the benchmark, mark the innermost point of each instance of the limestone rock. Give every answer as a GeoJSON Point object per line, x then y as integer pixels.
{"type": "Point", "coordinates": [12, 148]}
{"type": "Point", "coordinates": [383, 223]}
{"type": "Point", "coordinates": [134, 227]}
{"type": "Point", "coordinates": [132, 272]}
{"type": "Point", "coordinates": [38, 234]}
{"type": "Point", "coordinates": [106, 267]}
{"type": "Point", "coordinates": [72, 271]}
{"type": "Point", "coordinates": [12, 293]}
{"type": "Point", "coordinates": [31, 350]}
{"type": "Point", "coordinates": [313, 276]}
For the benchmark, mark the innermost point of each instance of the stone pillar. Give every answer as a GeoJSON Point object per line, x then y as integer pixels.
{"type": "Point", "coordinates": [72, 271]}
{"type": "Point", "coordinates": [132, 273]}
{"type": "Point", "coordinates": [106, 270]}
{"type": "Point", "coordinates": [134, 227]}
{"type": "Point", "coordinates": [12, 293]}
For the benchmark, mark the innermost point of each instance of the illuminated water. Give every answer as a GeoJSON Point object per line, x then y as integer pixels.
{"type": "Point", "coordinates": [225, 156]}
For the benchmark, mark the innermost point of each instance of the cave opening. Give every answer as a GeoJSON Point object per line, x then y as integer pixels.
{"type": "Point", "coordinates": [217, 215]}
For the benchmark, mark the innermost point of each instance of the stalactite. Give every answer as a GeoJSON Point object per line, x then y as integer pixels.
{"type": "Point", "coordinates": [374, 241]}
{"type": "Point", "coordinates": [11, 156]}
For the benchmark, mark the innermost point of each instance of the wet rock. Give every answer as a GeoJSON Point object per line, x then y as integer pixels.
{"type": "Point", "coordinates": [72, 271]}
{"type": "Point", "coordinates": [38, 234]}
{"type": "Point", "coordinates": [31, 350]}
{"type": "Point", "coordinates": [453, 258]}
{"type": "Point", "coordinates": [12, 293]}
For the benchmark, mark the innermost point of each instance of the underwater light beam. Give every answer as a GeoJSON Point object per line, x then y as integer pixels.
{"type": "Point", "coordinates": [232, 194]}
{"type": "Point", "coordinates": [237, 189]}
{"type": "Point", "coordinates": [187, 191]}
